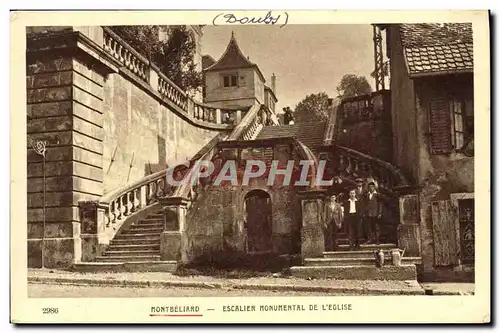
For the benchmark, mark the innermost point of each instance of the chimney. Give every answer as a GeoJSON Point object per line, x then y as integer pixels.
{"type": "Point", "coordinates": [273, 83]}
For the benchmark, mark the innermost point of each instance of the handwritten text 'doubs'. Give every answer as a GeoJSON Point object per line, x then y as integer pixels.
{"type": "Point", "coordinates": [269, 18]}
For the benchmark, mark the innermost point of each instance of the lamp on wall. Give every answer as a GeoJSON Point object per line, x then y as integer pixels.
{"type": "Point", "coordinates": [40, 147]}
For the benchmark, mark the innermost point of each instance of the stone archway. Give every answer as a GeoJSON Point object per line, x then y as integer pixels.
{"type": "Point", "coordinates": [258, 209]}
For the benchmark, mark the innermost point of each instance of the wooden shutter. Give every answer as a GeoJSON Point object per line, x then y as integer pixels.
{"type": "Point", "coordinates": [440, 126]}
{"type": "Point", "coordinates": [446, 249]}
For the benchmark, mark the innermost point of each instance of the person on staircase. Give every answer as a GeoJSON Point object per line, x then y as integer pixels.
{"type": "Point", "coordinates": [352, 214]}
{"type": "Point", "coordinates": [333, 222]}
{"type": "Point", "coordinates": [360, 194]}
{"type": "Point", "coordinates": [372, 214]}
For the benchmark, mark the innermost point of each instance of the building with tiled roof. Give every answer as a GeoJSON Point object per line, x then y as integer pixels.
{"type": "Point", "coordinates": [432, 114]}
{"type": "Point", "coordinates": [432, 49]}
{"type": "Point", "coordinates": [235, 81]}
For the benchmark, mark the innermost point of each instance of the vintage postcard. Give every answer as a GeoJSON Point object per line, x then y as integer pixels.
{"type": "Point", "coordinates": [250, 167]}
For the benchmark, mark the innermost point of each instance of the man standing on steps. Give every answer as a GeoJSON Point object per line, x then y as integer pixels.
{"type": "Point", "coordinates": [360, 194]}
{"type": "Point", "coordinates": [360, 191]}
{"type": "Point", "coordinates": [333, 222]}
{"type": "Point", "coordinates": [373, 214]}
{"type": "Point", "coordinates": [352, 217]}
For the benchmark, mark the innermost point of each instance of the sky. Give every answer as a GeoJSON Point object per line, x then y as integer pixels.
{"type": "Point", "coordinates": [305, 58]}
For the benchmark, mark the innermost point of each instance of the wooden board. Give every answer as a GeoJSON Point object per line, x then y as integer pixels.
{"type": "Point", "coordinates": [444, 231]}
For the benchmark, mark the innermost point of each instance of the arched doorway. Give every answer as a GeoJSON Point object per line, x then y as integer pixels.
{"type": "Point", "coordinates": [258, 210]}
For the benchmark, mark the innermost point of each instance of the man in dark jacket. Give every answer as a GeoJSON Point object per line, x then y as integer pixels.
{"type": "Point", "coordinates": [372, 214]}
{"type": "Point", "coordinates": [352, 217]}
{"type": "Point", "coordinates": [333, 222]}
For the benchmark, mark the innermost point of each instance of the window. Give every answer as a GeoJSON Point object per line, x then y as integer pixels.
{"type": "Point", "coordinates": [230, 80]}
{"type": "Point", "coordinates": [451, 124]}
{"type": "Point", "coordinates": [463, 122]}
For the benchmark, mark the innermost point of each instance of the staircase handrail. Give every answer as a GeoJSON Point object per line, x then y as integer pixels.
{"type": "Point", "coordinates": [245, 122]}
{"type": "Point", "coordinates": [395, 177]}
{"type": "Point", "coordinates": [187, 189]}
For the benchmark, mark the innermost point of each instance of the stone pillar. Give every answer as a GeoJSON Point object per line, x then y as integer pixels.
{"type": "Point", "coordinates": [312, 234]}
{"type": "Point", "coordinates": [65, 80]}
{"type": "Point", "coordinates": [409, 226]}
{"type": "Point", "coordinates": [238, 116]}
{"type": "Point", "coordinates": [218, 118]}
{"type": "Point", "coordinates": [174, 239]}
{"type": "Point", "coordinates": [92, 230]}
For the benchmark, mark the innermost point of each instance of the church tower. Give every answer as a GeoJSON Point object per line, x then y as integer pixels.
{"type": "Point", "coordinates": [233, 80]}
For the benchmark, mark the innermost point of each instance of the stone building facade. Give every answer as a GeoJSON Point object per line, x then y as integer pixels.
{"type": "Point", "coordinates": [431, 68]}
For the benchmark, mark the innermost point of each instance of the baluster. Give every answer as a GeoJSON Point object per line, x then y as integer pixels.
{"type": "Point", "coordinates": [355, 167]}
{"type": "Point", "coordinates": [383, 179]}
{"type": "Point", "coordinates": [130, 202]}
{"type": "Point", "coordinates": [123, 205]}
{"type": "Point", "coordinates": [107, 215]}
{"type": "Point", "coordinates": [348, 168]}
{"type": "Point", "coordinates": [149, 194]}
{"type": "Point", "coordinates": [153, 192]}
{"type": "Point", "coordinates": [137, 199]}
{"type": "Point", "coordinates": [160, 188]}
{"type": "Point", "coordinates": [117, 209]}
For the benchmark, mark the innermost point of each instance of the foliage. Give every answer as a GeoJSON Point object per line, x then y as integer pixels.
{"type": "Point", "coordinates": [174, 56]}
{"type": "Point", "coordinates": [313, 107]}
{"type": "Point", "coordinates": [352, 85]}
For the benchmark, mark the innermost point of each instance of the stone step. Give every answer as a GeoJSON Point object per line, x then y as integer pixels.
{"type": "Point", "coordinates": [133, 246]}
{"type": "Point", "coordinates": [357, 261]}
{"type": "Point", "coordinates": [372, 247]}
{"type": "Point", "coordinates": [134, 258]}
{"type": "Point", "coordinates": [354, 254]}
{"type": "Point", "coordinates": [156, 215]}
{"type": "Point", "coordinates": [128, 253]}
{"type": "Point", "coordinates": [356, 272]}
{"type": "Point", "coordinates": [140, 230]}
{"type": "Point", "coordinates": [132, 236]}
{"type": "Point", "coordinates": [150, 241]}
{"type": "Point", "coordinates": [128, 266]}
{"type": "Point", "coordinates": [154, 218]}
{"type": "Point", "coordinates": [143, 224]}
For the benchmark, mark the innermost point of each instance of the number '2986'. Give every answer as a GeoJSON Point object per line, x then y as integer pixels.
{"type": "Point", "coordinates": [50, 310]}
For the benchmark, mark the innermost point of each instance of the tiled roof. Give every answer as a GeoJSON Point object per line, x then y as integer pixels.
{"type": "Point", "coordinates": [437, 48]}
{"type": "Point", "coordinates": [233, 58]}
{"type": "Point", "coordinates": [207, 61]}
{"type": "Point", "coordinates": [310, 133]}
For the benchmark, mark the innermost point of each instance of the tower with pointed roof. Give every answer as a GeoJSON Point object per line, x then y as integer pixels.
{"type": "Point", "coordinates": [233, 80]}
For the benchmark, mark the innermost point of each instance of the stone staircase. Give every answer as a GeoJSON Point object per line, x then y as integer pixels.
{"type": "Point", "coordinates": [311, 134]}
{"type": "Point", "coordinates": [359, 264]}
{"type": "Point", "coordinates": [137, 248]}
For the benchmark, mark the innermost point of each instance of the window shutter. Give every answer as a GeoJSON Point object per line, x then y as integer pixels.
{"type": "Point", "coordinates": [440, 126]}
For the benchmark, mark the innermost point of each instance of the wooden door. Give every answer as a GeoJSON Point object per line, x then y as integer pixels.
{"type": "Point", "coordinates": [259, 222]}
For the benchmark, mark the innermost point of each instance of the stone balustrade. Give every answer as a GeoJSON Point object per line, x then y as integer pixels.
{"type": "Point", "coordinates": [125, 54]}
{"type": "Point", "coordinates": [169, 90]}
{"type": "Point", "coordinates": [150, 74]}
{"type": "Point", "coordinates": [118, 205]}
{"type": "Point", "coordinates": [354, 164]}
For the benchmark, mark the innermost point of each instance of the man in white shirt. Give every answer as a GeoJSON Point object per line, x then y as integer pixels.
{"type": "Point", "coordinates": [352, 217]}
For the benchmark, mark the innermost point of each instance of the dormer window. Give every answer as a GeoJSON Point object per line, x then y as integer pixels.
{"type": "Point", "coordinates": [230, 80]}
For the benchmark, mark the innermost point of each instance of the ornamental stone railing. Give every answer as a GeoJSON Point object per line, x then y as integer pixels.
{"type": "Point", "coordinates": [353, 164]}
{"type": "Point", "coordinates": [151, 75]}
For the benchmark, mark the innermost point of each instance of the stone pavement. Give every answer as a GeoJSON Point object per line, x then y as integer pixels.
{"type": "Point", "coordinates": [160, 279]}
{"type": "Point", "coordinates": [279, 283]}
{"type": "Point", "coordinates": [449, 288]}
